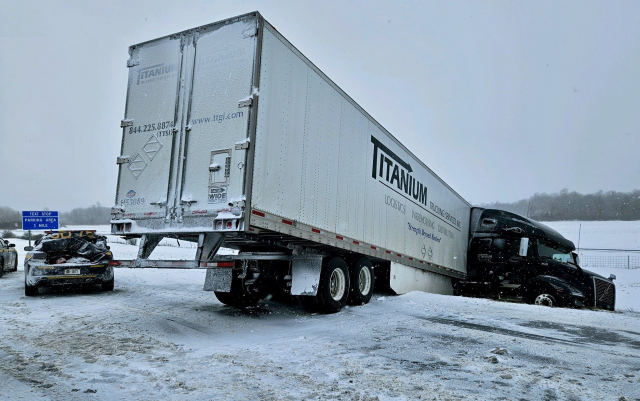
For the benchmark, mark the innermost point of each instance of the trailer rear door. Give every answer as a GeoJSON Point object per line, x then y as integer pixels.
{"type": "Point", "coordinates": [215, 146]}
{"type": "Point", "coordinates": [150, 116]}
{"type": "Point", "coordinates": [184, 146]}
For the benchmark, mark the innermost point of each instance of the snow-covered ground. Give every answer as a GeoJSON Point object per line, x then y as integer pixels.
{"type": "Point", "coordinates": [159, 336]}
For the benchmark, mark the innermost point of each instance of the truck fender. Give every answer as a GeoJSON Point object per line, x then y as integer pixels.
{"type": "Point", "coordinates": [549, 284]}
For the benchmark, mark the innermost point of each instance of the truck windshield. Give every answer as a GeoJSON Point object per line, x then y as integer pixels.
{"type": "Point", "coordinates": [555, 252]}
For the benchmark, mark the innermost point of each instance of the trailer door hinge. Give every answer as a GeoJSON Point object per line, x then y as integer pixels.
{"type": "Point", "coordinates": [245, 103]}
{"type": "Point", "coordinates": [132, 62]}
{"type": "Point", "coordinates": [126, 123]}
{"type": "Point", "coordinates": [123, 159]}
{"type": "Point", "coordinates": [242, 145]}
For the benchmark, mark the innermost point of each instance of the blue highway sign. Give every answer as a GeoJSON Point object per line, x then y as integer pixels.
{"type": "Point", "coordinates": [45, 220]}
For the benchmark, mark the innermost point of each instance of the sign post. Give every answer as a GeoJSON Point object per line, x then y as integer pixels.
{"type": "Point", "coordinates": [40, 220]}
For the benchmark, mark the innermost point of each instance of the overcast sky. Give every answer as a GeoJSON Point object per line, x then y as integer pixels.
{"type": "Point", "coordinates": [502, 99]}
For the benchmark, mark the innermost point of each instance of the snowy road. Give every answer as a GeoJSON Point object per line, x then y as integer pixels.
{"type": "Point", "coordinates": [159, 336]}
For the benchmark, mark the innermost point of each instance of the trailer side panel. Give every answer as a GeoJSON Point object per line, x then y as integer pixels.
{"type": "Point", "coordinates": [323, 164]}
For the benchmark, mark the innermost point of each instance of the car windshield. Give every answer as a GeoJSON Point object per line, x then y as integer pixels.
{"type": "Point", "coordinates": [555, 252]}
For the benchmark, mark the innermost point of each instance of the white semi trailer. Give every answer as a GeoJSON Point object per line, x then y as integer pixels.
{"type": "Point", "coordinates": [233, 138]}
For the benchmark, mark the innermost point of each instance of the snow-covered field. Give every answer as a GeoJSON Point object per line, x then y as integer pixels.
{"type": "Point", "coordinates": [159, 336]}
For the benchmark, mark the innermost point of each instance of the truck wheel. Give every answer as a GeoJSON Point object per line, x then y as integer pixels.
{"type": "Point", "coordinates": [333, 289]}
{"type": "Point", "coordinates": [362, 282]}
{"type": "Point", "coordinates": [546, 300]}
{"type": "Point", "coordinates": [457, 287]}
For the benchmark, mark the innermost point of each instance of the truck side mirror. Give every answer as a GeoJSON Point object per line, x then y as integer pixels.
{"type": "Point", "coordinates": [524, 247]}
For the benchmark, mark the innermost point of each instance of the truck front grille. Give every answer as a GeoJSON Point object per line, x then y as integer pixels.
{"type": "Point", "coordinates": [605, 292]}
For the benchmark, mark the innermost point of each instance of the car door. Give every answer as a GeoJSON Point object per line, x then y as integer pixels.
{"type": "Point", "coordinates": [5, 256]}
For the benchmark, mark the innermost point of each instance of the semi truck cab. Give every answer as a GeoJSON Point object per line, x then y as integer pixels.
{"type": "Point", "coordinates": [513, 255]}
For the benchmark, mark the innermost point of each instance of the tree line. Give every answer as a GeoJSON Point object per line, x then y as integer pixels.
{"type": "Point", "coordinates": [564, 205]}
{"type": "Point", "coordinates": [574, 206]}
{"type": "Point", "coordinates": [93, 215]}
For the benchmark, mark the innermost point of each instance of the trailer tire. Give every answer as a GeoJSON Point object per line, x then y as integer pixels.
{"type": "Point", "coordinates": [237, 299]}
{"type": "Point", "coordinates": [333, 289]}
{"type": "Point", "coordinates": [362, 279]}
{"type": "Point", "coordinates": [237, 296]}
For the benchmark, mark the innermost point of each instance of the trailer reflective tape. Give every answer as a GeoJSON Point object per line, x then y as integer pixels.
{"type": "Point", "coordinates": [373, 247]}
{"type": "Point", "coordinates": [257, 213]}
{"type": "Point", "coordinates": [399, 255]}
{"type": "Point", "coordinates": [217, 264]}
{"type": "Point", "coordinates": [389, 252]}
{"type": "Point", "coordinates": [339, 237]}
{"type": "Point", "coordinates": [356, 242]}
{"type": "Point", "coordinates": [315, 230]}
{"type": "Point", "coordinates": [289, 222]}
{"type": "Point", "coordinates": [410, 258]}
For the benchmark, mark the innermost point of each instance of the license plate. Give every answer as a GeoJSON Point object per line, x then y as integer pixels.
{"type": "Point", "coordinates": [72, 271]}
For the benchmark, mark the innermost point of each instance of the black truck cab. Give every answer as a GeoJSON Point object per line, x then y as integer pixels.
{"type": "Point", "coordinates": [511, 254]}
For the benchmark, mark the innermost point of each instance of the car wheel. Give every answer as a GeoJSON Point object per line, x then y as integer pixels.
{"type": "Point", "coordinates": [108, 285]}
{"type": "Point", "coordinates": [362, 281]}
{"type": "Point", "coordinates": [333, 289]}
{"type": "Point", "coordinates": [15, 264]}
{"type": "Point", "coordinates": [29, 290]}
{"type": "Point", "coordinates": [1, 267]}
{"type": "Point", "coordinates": [546, 300]}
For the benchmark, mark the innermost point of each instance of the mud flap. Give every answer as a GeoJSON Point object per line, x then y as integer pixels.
{"type": "Point", "coordinates": [305, 272]}
{"type": "Point", "coordinates": [218, 279]}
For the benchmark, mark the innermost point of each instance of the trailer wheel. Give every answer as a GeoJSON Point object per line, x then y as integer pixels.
{"type": "Point", "coordinates": [333, 289]}
{"type": "Point", "coordinates": [238, 297]}
{"type": "Point", "coordinates": [362, 282]}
